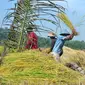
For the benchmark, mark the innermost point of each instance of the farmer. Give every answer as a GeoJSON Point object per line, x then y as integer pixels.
{"type": "Point", "coordinates": [58, 47]}
{"type": "Point", "coordinates": [53, 39]}
{"type": "Point", "coordinates": [32, 39]}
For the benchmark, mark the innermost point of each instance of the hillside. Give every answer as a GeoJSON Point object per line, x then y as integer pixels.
{"type": "Point", "coordinates": [33, 67]}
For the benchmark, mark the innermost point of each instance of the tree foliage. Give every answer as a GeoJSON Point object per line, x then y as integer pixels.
{"type": "Point", "coordinates": [3, 33]}
{"type": "Point", "coordinates": [26, 13]}
{"type": "Point", "coordinates": [79, 45]}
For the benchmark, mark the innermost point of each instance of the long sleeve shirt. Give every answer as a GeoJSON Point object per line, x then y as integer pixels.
{"type": "Point", "coordinates": [58, 47]}
{"type": "Point", "coordinates": [32, 42]}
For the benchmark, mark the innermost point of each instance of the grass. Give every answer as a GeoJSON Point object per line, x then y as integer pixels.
{"type": "Point", "coordinates": [33, 67]}
{"type": "Point", "coordinates": [1, 49]}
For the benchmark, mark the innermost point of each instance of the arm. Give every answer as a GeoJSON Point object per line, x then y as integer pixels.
{"type": "Point", "coordinates": [69, 37]}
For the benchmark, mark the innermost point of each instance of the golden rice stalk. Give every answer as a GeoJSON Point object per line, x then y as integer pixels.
{"type": "Point", "coordinates": [66, 20]}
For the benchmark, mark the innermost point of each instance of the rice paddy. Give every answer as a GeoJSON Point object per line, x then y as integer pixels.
{"type": "Point", "coordinates": [33, 67]}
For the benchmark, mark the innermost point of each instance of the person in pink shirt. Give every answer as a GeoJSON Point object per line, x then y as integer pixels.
{"type": "Point", "coordinates": [32, 40]}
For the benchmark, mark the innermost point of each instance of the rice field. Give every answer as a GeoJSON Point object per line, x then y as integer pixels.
{"type": "Point", "coordinates": [33, 67]}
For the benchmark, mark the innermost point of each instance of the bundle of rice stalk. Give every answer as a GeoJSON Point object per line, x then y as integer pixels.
{"type": "Point", "coordinates": [66, 20]}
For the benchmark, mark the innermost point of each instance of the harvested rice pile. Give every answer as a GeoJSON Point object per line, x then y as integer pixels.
{"type": "Point", "coordinates": [36, 68]}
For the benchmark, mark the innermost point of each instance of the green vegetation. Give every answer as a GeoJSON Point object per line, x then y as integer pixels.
{"type": "Point", "coordinates": [3, 35]}
{"type": "Point", "coordinates": [33, 67]}
{"type": "Point", "coordinates": [79, 45]}
{"type": "Point", "coordinates": [36, 68]}
{"type": "Point", "coordinates": [1, 49]}
{"type": "Point", "coordinates": [74, 44]}
{"type": "Point", "coordinates": [43, 42]}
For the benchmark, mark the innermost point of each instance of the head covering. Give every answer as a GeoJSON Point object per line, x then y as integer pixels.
{"type": "Point", "coordinates": [30, 29]}
{"type": "Point", "coordinates": [64, 33]}
{"type": "Point", "coordinates": [51, 34]}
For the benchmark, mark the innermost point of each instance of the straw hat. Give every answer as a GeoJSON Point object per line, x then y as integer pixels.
{"type": "Point", "coordinates": [51, 34]}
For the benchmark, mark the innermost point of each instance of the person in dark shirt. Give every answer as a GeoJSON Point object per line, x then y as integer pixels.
{"type": "Point", "coordinates": [53, 39]}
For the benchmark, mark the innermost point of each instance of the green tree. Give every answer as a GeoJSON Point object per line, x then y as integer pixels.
{"type": "Point", "coordinates": [79, 45]}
